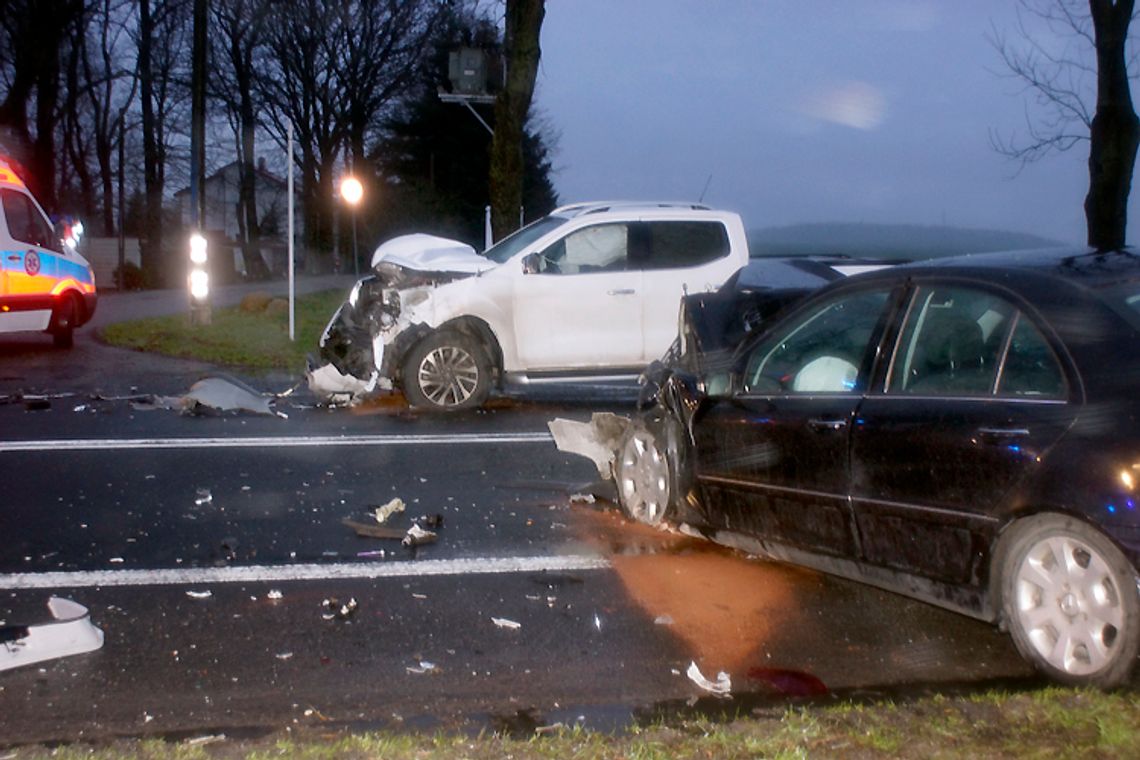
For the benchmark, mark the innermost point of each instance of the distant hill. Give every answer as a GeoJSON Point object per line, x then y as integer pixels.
{"type": "Point", "coordinates": [891, 241]}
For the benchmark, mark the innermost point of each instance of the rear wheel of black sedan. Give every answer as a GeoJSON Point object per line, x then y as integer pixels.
{"type": "Point", "coordinates": [646, 474]}
{"type": "Point", "coordinates": [1071, 602]}
{"type": "Point", "coordinates": [447, 372]}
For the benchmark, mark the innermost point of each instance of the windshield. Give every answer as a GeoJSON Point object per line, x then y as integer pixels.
{"type": "Point", "coordinates": [512, 244]}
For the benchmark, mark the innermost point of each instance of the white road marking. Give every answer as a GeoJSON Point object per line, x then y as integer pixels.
{"type": "Point", "coordinates": [100, 444]}
{"type": "Point", "coordinates": [198, 576]}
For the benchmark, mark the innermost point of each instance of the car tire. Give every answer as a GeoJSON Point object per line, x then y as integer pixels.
{"type": "Point", "coordinates": [447, 372]}
{"type": "Point", "coordinates": [63, 323]}
{"type": "Point", "coordinates": [1070, 600]}
{"type": "Point", "coordinates": [646, 473]}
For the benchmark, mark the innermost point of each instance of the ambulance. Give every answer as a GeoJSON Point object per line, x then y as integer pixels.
{"type": "Point", "coordinates": [45, 285]}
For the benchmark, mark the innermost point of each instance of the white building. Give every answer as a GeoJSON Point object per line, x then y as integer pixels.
{"type": "Point", "coordinates": [222, 193]}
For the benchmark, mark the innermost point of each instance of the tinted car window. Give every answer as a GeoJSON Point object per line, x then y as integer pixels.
{"type": "Point", "coordinates": [822, 353]}
{"type": "Point", "coordinates": [951, 343]}
{"type": "Point", "coordinates": [1031, 368]}
{"type": "Point", "coordinates": [673, 245]}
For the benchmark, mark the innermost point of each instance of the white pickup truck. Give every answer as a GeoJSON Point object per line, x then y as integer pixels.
{"type": "Point", "coordinates": [589, 292]}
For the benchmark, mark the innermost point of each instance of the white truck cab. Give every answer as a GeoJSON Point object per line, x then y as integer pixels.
{"type": "Point", "coordinates": [45, 286]}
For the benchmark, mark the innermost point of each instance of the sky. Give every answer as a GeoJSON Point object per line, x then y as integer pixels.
{"type": "Point", "coordinates": [799, 111]}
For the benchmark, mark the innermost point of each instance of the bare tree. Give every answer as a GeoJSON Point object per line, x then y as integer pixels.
{"type": "Point", "coordinates": [32, 35]}
{"type": "Point", "coordinates": [239, 27]}
{"type": "Point", "coordinates": [523, 25]}
{"type": "Point", "coordinates": [334, 83]}
{"type": "Point", "coordinates": [102, 83]}
{"type": "Point", "coordinates": [1089, 43]}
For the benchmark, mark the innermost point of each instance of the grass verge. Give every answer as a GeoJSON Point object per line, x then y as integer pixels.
{"type": "Point", "coordinates": [250, 340]}
{"type": "Point", "coordinates": [1052, 723]}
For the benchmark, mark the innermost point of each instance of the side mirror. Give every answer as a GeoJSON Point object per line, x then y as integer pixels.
{"type": "Point", "coordinates": [532, 263]}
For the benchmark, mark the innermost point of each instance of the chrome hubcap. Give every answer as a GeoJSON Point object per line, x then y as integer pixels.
{"type": "Point", "coordinates": [448, 376]}
{"type": "Point", "coordinates": [1069, 606]}
{"type": "Point", "coordinates": [644, 479]}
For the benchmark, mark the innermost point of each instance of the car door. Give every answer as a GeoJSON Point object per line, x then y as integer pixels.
{"type": "Point", "coordinates": [677, 257]}
{"type": "Point", "coordinates": [772, 461]}
{"type": "Point", "coordinates": [581, 308]}
{"type": "Point", "coordinates": [975, 395]}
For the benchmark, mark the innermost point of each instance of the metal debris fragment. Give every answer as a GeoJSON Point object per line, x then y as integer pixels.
{"type": "Point", "coordinates": [423, 667]}
{"type": "Point", "coordinates": [199, 594]}
{"type": "Point", "coordinates": [417, 536]}
{"type": "Point", "coordinates": [505, 623]}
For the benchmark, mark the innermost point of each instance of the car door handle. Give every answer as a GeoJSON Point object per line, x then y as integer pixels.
{"type": "Point", "coordinates": [13, 257]}
{"type": "Point", "coordinates": [821, 425]}
{"type": "Point", "coordinates": [1002, 434]}
{"type": "Point", "coordinates": [622, 292]}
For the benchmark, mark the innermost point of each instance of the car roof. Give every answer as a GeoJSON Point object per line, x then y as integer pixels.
{"type": "Point", "coordinates": [597, 207]}
{"type": "Point", "coordinates": [1086, 267]}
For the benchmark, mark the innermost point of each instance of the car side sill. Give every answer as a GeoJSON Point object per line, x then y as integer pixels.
{"type": "Point", "coordinates": [966, 601]}
{"type": "Point", "coordinates": [572, 376]}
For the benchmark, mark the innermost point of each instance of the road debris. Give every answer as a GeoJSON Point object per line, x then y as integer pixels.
{"type": "Point", "coordinates": [202, 497]}
{"type": "Point", "coordinates": [199, 594]}
{"type": "Point", "coordinates": [582, 498]}
{"type": "Point", "coordinates": [70, 632]}
{"type": "Point", "coordinates": [376, 553]}
{"type": "Point", "coordinates": [373, 531]}
{"type": "Point", "coordinates": [433, 522]}
{"type": "Point", "coordinates": [417, 536]}
{"type": "Point", "coordinates": [284, 656]}
{"type": "Point", "coordinates": [722, 687]}
{"type": "Point", "coordinates": [423, 667]}
{"type": "Point", "coordinates": [505, 623]}
{"type": "Point", "coordinates": [336, 610]}
{"type": "Point", "coordinates": [274, 595]}
{"type": "Point", "coordinates": [385, 511]}
{"type": "Point", "coordinates": [211, 395]}
{"type": "Point", "coordinates": [198, 741]}
{"type": "Point", "coordinates": [663, 620]}
{"type": "Point", "coordinates": [597, 440]}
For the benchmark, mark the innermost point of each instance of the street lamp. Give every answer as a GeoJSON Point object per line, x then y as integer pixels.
{"type": "Point", "coordinates": [352, 192]}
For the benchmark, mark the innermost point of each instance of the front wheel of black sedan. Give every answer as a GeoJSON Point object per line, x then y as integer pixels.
{"type": "Point", "coordinates": [447, 372]}
{"type": "Point", "coordinates": [1071, 602]}
{"type": "Point", "coordinates": [645, 471]}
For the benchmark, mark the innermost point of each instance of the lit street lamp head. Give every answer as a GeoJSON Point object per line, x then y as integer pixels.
{"type": "Point", "coordinates": [351, 190]}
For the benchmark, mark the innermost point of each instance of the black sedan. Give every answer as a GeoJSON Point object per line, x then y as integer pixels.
{"type": "Point", "coordinates": [962, 431]}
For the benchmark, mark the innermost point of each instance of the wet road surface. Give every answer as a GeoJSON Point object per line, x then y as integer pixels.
{"type": "Point", "coordinates": [146, 511]}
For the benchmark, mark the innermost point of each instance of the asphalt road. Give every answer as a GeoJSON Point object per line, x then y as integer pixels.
{"type": "Point", "coordinates": [531, 607]}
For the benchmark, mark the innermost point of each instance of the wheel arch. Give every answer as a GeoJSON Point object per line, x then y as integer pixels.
{"type": "Point", "coordinates": [1006, 536]}
{"type": "Point", "coordinates": [479, 330]}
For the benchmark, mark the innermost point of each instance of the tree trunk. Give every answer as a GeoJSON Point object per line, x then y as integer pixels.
{"type": "Point", "coordinates": [247, 192]}
{"type": "Point", "coordinates": [524, 22]}
{"type": "Point", "coordinates": [150, 252]}
{"type": "Point", "coordinates": [1115, 132]}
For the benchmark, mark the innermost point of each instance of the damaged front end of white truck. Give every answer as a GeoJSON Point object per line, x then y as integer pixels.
{"type": "Point", "coordinates": [388, 312]}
